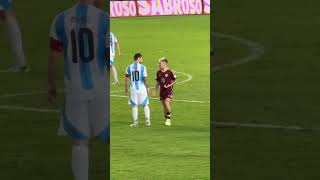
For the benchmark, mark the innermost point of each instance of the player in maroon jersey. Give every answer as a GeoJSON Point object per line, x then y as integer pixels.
{"type": "Point", "coordinates": [165, 80]}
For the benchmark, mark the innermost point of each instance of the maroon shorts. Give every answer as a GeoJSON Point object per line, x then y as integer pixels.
{"type": "Point", "coordinates": [165, 95]}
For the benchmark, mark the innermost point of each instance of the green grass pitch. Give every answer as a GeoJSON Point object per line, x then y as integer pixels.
{"type": "Point", "coordinates": [182, 150]}
{"type": "Point", "coordinates": [29, 145]}
{"type": "Point", "coordinates": [278, 88]}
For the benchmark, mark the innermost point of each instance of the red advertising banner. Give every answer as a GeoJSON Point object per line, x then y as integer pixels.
{"type": "Point", "coordinates": [159, 8]}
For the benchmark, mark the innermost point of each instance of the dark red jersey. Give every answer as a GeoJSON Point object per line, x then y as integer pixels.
{"type": "Point", "coordinates": [165, 79]}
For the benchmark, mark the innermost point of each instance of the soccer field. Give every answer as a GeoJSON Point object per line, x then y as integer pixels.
{"type": "Point", "coordinates": [259, 104]}
{"type": "Point", "coordinates": [181, 151]}
{"type": "Point", "coordinates": [29, 144]}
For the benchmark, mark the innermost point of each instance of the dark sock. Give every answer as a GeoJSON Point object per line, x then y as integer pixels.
{"type": "Point", "coordinates": [168, 115]}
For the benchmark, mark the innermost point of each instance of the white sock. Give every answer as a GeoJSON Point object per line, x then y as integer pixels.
{"type": "Point", "coordinates": [80, 162]}
{"type": "Point", "coordinates": [16, 41]}
{"type": "Point", "coordinates": [135, 114]}
{"type": "Point", "coordinates": [114, 74]}
{"type": "Point", "coordinates": [147, 113]}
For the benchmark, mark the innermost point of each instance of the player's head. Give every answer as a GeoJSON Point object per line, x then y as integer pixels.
{"type": "Point", "coordinates": [99, 3]}
{"type": "Point", "coordinates": [163, 62]}
{"type": "Point", "coordinates": [138, 58]}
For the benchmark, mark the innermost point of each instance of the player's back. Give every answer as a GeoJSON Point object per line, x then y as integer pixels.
{"type": "Point", "coordinates": [113, 41]}
{"type": "Point", "coordinates": [137, 73]}
{"type": "Point", "coordinates": [83, 31]}
{"type": "Point", "coordinates": [5, 4]}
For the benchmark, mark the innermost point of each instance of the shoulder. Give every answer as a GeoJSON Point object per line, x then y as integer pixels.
{"type": "Point", "coordinates": [170, 71]}
{"type": "Point", "coordinates": [59, 16]}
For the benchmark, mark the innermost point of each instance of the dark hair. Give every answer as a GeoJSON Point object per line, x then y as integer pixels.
{"type": "Point", "coordinates": [137, 55]}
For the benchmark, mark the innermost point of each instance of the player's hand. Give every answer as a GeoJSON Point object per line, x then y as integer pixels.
{"type": "Point", "coordinates": [165, 86]}
{"type": "Point", "coordinates": [52, 95]}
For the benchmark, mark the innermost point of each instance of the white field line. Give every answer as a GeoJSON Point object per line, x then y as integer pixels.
{"type": "Point", "coordinates": [178, 100]}
{"type": "Point", "coordinates": [185, 74]}
{"type": "Point", "coordinates": [21, 108]}
{"type": "Point", "coordinates": [264, 126]}
{"type": "Point", "coordinates": [4, 96]}
{"type": "Point", "coordinates": [256, 51]}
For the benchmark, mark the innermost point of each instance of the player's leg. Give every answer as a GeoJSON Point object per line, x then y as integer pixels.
{"type": "Point", "coordinates": [147, 115]}
{"type": "Point", "coordinates": [167, 104]}
{"type": "Point", "coordinates": [133, 101]}
{"type": "Point", "coordinates": [80, 159]}
{"type": "Point", "coordinates": [15, 40]}
{"type": "Point", "coordinates": [144, 102]}
{"type": "Point", "coordinates": [76, 125]}
{"type": "Point", "coordinates": [164, 109]}
{"type": "Point", "coordinates": [114, 72]}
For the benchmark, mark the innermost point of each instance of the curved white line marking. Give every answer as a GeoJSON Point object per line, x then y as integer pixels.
{"type": "Point", "coordinates": [184, 81]}
{"type": "Point", "coordinates": [256, 51]}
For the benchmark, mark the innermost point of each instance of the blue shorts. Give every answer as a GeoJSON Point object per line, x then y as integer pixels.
{"type": "Point", "coordinates": [5, 5]}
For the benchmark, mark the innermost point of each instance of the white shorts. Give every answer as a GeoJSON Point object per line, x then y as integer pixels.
{"type": "Point", "coordinates": [138, 99]}
{"type": "Point", "coordinates": [83, 119]}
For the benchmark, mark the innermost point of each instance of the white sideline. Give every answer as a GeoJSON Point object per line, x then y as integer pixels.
{"type": "Point", "coordinates": [178, 100]}
{"type": "Point", "coordinates": [20, 108]}
{"type": "Point", "coordinates": [265, 126]}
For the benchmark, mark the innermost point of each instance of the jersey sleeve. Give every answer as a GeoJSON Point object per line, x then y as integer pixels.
{"type": "Point", "coordinates": [145, 74]}
{"type": "Point", "coordinates": [115, 39]}
{"type": "Point", "coordinates": [173, 76]}
{"type": "Point", "coordinates": [55, 41]}
{"type": "Point", "coordinates": [157, 76]}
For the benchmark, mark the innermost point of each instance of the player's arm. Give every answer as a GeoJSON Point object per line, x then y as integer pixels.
{"type": "Point", "coordinates": [155, 91]}
{"type": "Point", "coordinates": [173, 81]}
{"type": "Point", "coordinates": [52, 59]}
{"type": "Point", "coordinates": [156, 88]}
{"type": "Point", "coordinates": [118, 48]}
{"type": "Point", "coordinates": [169, 85]}
{"type": "Point", "coordinates": [126, 81]}
{"type": "Point", "coordinates": [126, 85]}
{"type": "Point", "coordinates": [55, 50]}
{"type": "Point", "coordinates": [146, 83]}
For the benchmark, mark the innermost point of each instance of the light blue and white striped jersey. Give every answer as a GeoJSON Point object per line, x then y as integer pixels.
{"type": "Point", "coordinates": [137, 73]}
{"type": "Point", "coordinates": [113, 41]}
{"type": "Point", "coordinates": [5, 4]}
{"type": "Point", "coordinates": [83, 31]}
